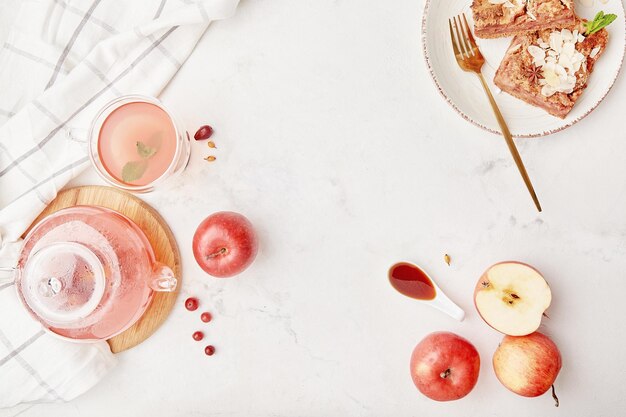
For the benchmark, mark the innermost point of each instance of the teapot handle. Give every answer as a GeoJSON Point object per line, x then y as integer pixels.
{"type": "Point", "coordinates": [163, 279]}
{"type": "Point", "coordinates": [7, 275]}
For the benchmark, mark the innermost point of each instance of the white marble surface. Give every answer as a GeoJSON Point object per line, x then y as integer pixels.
{"type": "Point", "coordinates": [334, 142]}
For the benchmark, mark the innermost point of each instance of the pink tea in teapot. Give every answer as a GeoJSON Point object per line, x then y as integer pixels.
{"type": "Point", "coordinates": [89, 273]}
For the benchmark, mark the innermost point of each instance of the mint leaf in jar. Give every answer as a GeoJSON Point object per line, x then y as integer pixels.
{"type": "Point", "coordinates": [134, 170]}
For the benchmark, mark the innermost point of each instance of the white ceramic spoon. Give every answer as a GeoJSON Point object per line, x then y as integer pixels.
{"type": "Point", "coordinates": [410, 280]}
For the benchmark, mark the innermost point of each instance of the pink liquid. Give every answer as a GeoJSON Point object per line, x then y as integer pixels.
{"type": "Point", "coordinates": [127, 265]}
{"type": "Point", "coordinates": [120, 133]}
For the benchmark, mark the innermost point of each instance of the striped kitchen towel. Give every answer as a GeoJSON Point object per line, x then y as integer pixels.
{"type": "Point", "coordinates": [61, 62]}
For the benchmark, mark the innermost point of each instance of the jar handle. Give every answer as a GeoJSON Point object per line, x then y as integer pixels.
{"type": "Point", "coordinates": [163, 279]}
{"type": "Point", "coordinates": [7, 275]}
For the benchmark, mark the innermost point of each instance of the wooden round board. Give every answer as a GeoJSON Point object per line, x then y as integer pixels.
{"type": "Point", "coordinates": [160, 237]}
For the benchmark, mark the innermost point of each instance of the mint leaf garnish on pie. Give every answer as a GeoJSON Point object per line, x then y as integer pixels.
{"type": "Point", "coordinates": [599, 22]}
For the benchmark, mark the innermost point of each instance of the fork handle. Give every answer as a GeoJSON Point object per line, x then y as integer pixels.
{"type": "Point", "coordinates": [509, 141]}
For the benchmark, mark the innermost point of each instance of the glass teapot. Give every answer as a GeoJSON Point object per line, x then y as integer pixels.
{"type": "Point", "coordinates": [88, 273]}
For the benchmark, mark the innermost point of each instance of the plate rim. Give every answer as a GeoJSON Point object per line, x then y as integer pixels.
{"type": "Point", "coordinates": [498, 132]}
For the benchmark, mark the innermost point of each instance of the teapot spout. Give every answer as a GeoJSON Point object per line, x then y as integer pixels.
{"type": "Point", "coordinates": [163, 279]}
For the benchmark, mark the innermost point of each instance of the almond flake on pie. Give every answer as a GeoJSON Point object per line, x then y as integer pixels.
{"type": "Point", "coordinates": [501, 18]}
{"type": "Point", "coordinates": [550, 68]}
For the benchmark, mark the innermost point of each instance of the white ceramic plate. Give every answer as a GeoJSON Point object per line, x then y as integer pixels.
{"type": "Point", "coordinates": [465, 94]}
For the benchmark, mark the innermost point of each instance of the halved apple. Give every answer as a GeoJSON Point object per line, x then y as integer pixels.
{"type": "Point", "coordinates": [511, 297]}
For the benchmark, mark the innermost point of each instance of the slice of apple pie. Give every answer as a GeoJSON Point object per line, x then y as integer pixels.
{"type": "Point", "coordinates": [550, 68]}
{"type": "Point", "coordinates": [501, 18]}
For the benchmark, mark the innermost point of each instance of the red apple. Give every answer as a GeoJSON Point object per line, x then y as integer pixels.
{"type": "Point", "coordinates": [225, 244]}
{"type": "Point", "coordinates": [445, 366]}
{"type": "Point", "coordinates": [511, 297]}
{"type": "Point", "coordinates": [527, 365]}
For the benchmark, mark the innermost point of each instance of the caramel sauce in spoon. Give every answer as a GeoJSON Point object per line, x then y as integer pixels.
{"type": "Point", "coordinates": [411, 281]}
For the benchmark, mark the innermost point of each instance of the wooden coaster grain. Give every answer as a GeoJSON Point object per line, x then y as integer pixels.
{"type": "Point", "coordinates": [160, 237]}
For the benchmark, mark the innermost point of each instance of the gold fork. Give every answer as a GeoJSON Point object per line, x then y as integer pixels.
{"type": "Point", "coordinates": [470, 59]}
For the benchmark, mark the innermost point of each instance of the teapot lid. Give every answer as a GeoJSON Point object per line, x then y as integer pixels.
{"type": "Point", "coordinates": [63, 282]}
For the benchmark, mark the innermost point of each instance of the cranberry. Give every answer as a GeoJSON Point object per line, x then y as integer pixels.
{"type": "Point", "coordinates": [198, 336]}
{"type": "Point", "coordinates": [204, 132]}
{"type": "Point", "coordinates": [206, 317]}
{"type": "Point", "coordinates": [209, 350]}
{"type": "Point", "coordinates": [191, 304]}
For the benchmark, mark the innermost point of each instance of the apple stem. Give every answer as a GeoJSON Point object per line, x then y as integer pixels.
{"type": "Point", "coordinates": [445, 373]}
{"type": "Point", "coordinates": [218, 253]}
{"type": "Point", "coordinates": [556, 399]}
